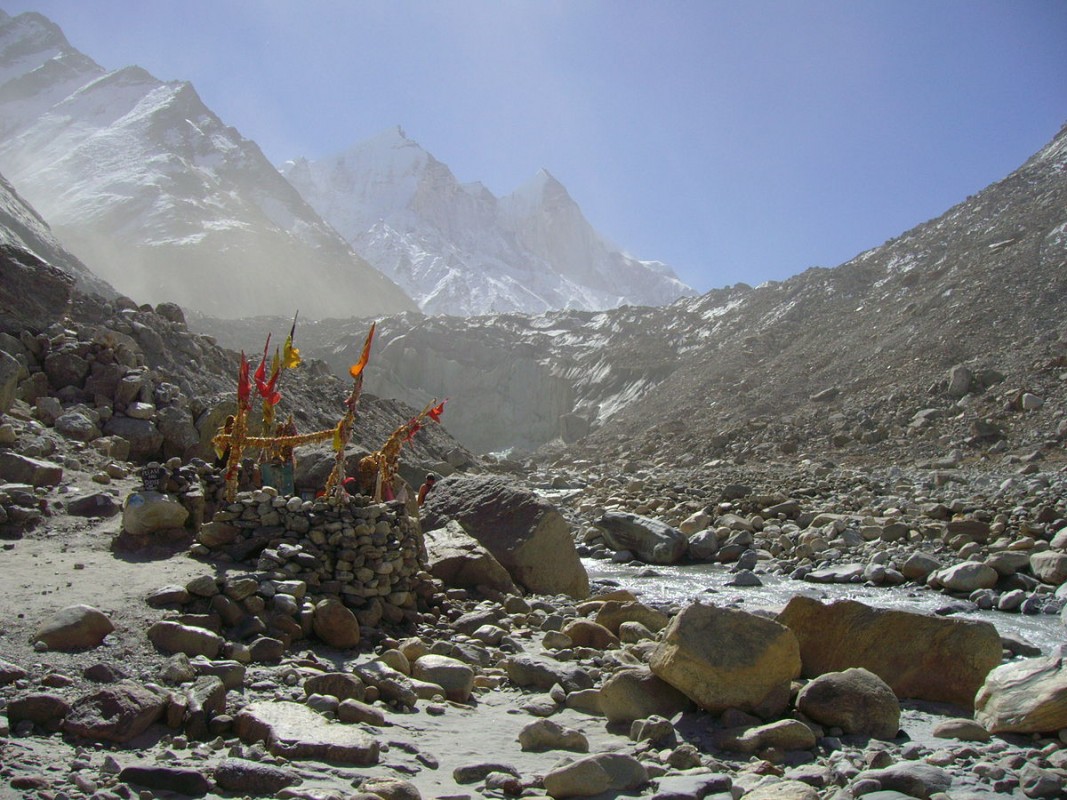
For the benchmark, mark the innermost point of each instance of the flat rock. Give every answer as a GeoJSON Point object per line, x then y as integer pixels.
{"type": "Point", "coordinates": [292, 730]}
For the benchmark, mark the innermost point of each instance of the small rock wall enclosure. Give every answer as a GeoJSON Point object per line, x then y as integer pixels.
{"type": "Point", "coordinates": [369, 555]}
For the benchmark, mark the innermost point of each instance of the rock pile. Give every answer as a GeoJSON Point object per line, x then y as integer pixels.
{"type": "Point", "coordinates": [364, 554]}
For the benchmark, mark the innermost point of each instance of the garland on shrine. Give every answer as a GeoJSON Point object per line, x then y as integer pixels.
{"type": "Point", "coordinates": [234, 437]}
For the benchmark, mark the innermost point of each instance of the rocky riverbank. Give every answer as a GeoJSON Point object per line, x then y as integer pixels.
{"type": "Point", "coordinates": [496, 689]}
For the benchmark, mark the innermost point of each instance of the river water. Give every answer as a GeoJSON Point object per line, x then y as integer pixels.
{"type": "Point", "coordinates": [682, 584]}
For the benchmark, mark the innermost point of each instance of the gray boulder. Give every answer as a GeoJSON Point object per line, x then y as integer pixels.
{"type": "Point", "coordinates": [650, 540]}
{"type": "Point", "coordinates": [10, 369]}
{"type": "Point", "coordinates": [457, 559]}
{"type": "Point", "coordinates": [527, 535]}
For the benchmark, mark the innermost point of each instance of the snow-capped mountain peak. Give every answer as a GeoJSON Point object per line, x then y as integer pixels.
{"type": "Point", "coordinates": [458, 249]}
{"type": "Point", "coordinates": [150, 189]}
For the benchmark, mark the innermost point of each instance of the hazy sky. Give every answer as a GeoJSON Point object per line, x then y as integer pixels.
{"type": "Point", "coordinates": [737, 141]}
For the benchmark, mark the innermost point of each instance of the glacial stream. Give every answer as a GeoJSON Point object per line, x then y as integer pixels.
{"type": "Point", "coordinates": [682, 584]}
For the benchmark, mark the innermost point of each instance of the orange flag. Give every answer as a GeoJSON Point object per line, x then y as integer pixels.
{"type": "Point", "coordinates": [357, 369]}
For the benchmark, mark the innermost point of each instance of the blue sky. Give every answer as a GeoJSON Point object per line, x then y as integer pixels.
{"type": "Point", "coordinates": [736, 141]}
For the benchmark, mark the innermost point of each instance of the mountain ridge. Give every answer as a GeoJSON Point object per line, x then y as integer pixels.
{"type": "Point", "coordinates": [460, 250]}
{"type": "Point", "coordinates": [159, 197]}
{"type": "Point", "coordinates": [852, 360]}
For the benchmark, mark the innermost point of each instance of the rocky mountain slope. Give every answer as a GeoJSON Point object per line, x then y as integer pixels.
{"type": "Point", "coordinates": [460, 250]}
{"type": "Point", "coordinates": [150, 189]}
{"type": "Point", "coordinates": [941, 343]}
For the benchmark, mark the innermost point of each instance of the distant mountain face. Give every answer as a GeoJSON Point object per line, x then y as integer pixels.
{"type": "Point", "coordinates": [159, 198]}
{"type": "Point", "coordinates": [921, 349]}
{"type": "Point", "coordinates": [459, 250]}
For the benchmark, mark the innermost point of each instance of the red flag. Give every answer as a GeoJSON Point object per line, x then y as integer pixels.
{"type": "Point", "coordinates": [244, 387]}
{"type": "Point", "coordinates": [413, 428]}
{"type": "Point", "coordinates": [261, 370]}
{"type": "Point", "coordinates": [436, 412]}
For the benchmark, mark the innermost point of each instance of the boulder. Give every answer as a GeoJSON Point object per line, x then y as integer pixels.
{"type": "Point", "coordinates": [75, 627]}
{"type": "Point", "coordinates": [586, 633]}
{"type": "Point", "coordinates": [97, 504]}
{"type": "Point", "coordinates": [856, 700]}
{"type": "Point", "coordinates": [724, 658]}
{"type": "Point", "coordinates": [65, 367]}
{"type": "Point", "coordinates": [544, 673]}
{"type": "Point", "coordinates": [252, 778]}
{"type": "Point", "coordinates": [451, 674]}
{"type": "Point", "coordinates": [650, 540]}
{"type": "Point", "coordinates": [913, 779]}
{"type": "Point", "coordinates": [1028, 696]}
{"type": "Point", "coordinates": [1049, 567]}
{"type": "Point", "coordinates": [636, 693]}
{"type": "Point", "coordinates": [33, 293]}
{"type": "Point", "coordinates": [174, 637]}
{"type": "Point", "coordinates": [15, 468]}
{"type": "Point", "coordinates": [118, 712]}
{"type": "Point", "coordinates": [180, 436]}
{"type": "Point", "coordinates": [181, 780]}
{"type": "Point", "coordinates": [527, 535]}
{"type": "Point", "coordinates": [788, 790]}
{"type": "Point", "coordinates": [46, 710]}
{"type": "Point", "coordinates": [77, 425]}
{"type": "Point", "coordinates": [294, 731]}
{"type": "Point", "coordinates": [146, 442]}
{"type": "Point", "coordinates": [595, 774]}
{"type": "Point", "coordinates": [966, 576]}
{"type": "Point", "coordinates": [785, 734]}
{"type": "Point", "coordinates": [545, 734]}
{"type": "Point", "coordinates": [919, 656]}
{"type": "Point", "coordinates": [144, 513]}
{"type": "Point", "coordinates": [918, 566]}
{"type": "Point", "coordinates": [335, 624]}
{"type": "Point", "coordinates": [613, 613]}
{"type": "Point", "coordinates": [457, 559]}
{"type": "Point", "coordinates": [342, 685]}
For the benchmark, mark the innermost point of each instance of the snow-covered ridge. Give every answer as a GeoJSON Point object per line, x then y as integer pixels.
{"type": "Point", "coordinates": [459, 250]}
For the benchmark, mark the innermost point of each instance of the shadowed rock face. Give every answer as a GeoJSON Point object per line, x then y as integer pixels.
{"type": "Point", "coordinates": [529, 537]}
{"type": "Point", "coordinates": [32, 293]}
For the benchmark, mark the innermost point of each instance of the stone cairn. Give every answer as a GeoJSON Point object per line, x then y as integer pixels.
{"type": "Point", "coordinates": [367, 555]}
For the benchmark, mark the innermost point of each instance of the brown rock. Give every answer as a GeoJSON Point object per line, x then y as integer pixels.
{"type": "Point", "coordinates": [919, 656]}
{"type": "Point", "coordinates": [636, 693]}
{"type": "Point", "coordinates": [586, 633]}
{"type": "Point", "coordinates": [457, 559]}
{"type": "Point", "coordinates": [613, 613]}
{"type": "Point", "coordinates": [724, 658]}
{"type": "Point", "coordinates": [857, 701]}
{"type": "Point", "coordinates": [75, 628]}
{"type": "Point", "coordinates": [118, 712]}
{"type": "Point", "coordinates": [335, 624]}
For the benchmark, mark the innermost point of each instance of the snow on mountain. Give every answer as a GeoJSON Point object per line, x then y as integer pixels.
{"type": "Point", "coordinates": [159, 197]}
{"type": "Point", "coordinates": [459, 250]}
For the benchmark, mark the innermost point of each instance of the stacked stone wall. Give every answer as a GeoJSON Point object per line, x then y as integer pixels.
{"type": "Point", "coordinates": [369, 555]}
